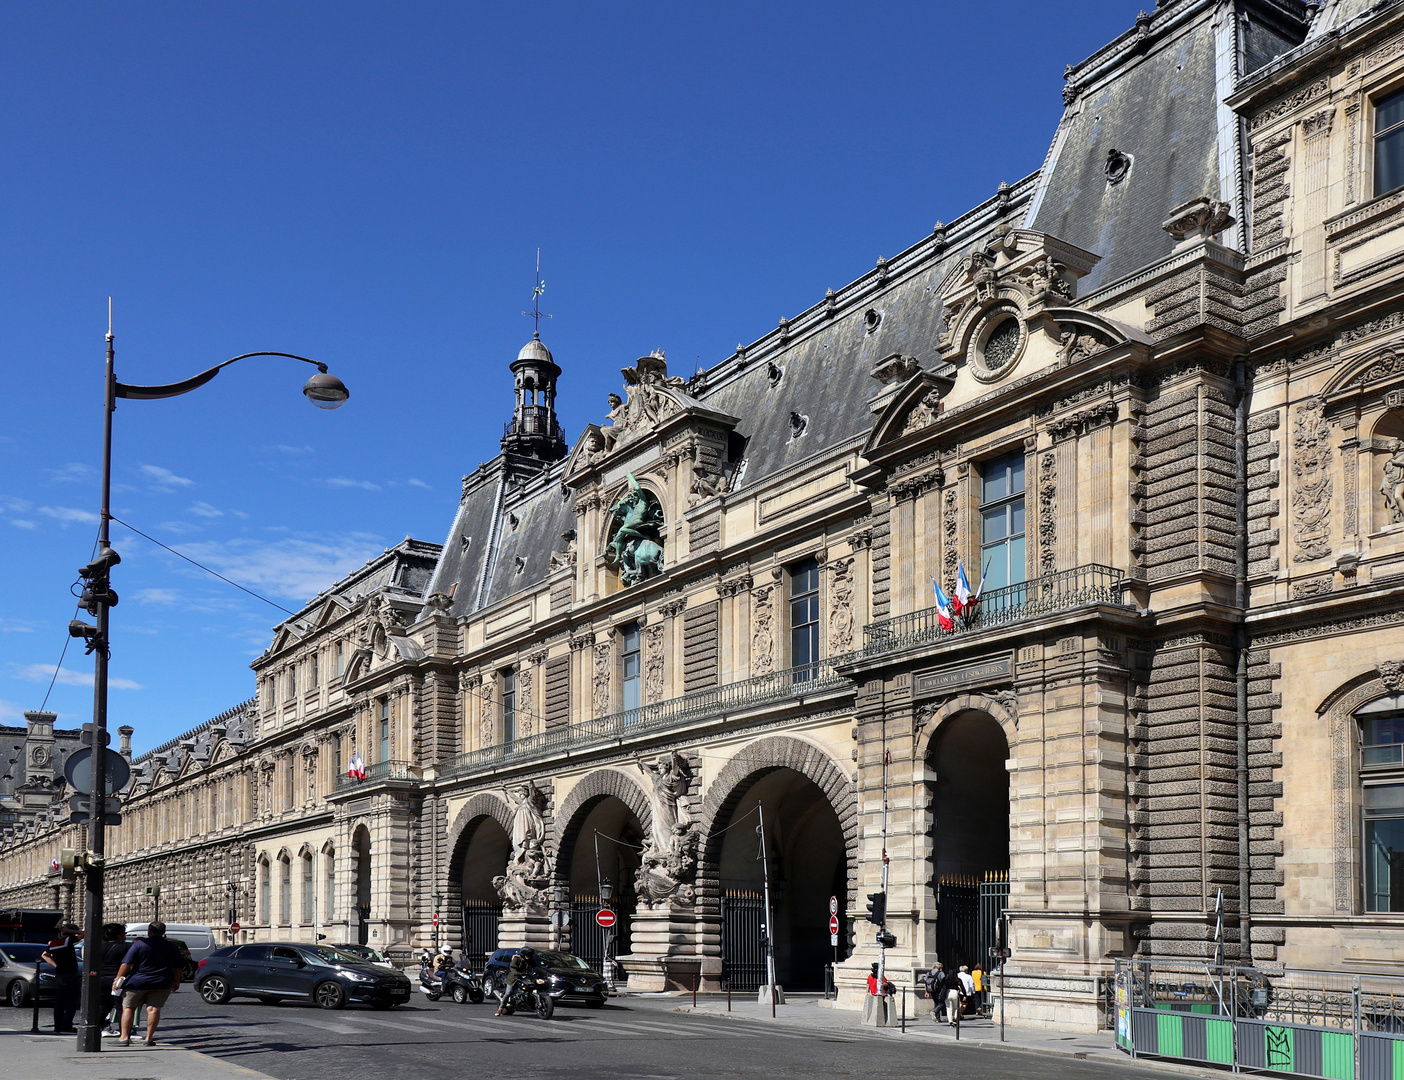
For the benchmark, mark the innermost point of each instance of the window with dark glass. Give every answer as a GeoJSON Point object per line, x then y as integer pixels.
{"type": "Point", "coordinates": [340, 664]}
{"type": "Point", "coordinates": [632, 681]}
{"type": "Point", "coordinates": [804, 618]}
{"type": "Point", "coordinates": [1001, 523]}
{"type": "Point", "coordinates": [1382, 802]}
{"type": "Point", "coordinates": [292, 682]}
{"type": "Point", "coordinates": [1389, 143]}
{"type": "Point", "coordinates": [308, 896]}
{"type": "Point", "coordinates": [313, 675]}
{"type": "Point", "coordinates": [284, 892]}
{"type": "Point", "coordinates": [509, 706]}
{"type": "Point", "coordinates": [384, 730]}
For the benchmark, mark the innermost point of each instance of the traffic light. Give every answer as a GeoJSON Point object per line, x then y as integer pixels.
{"type": "Point", "coordinates": [887, 939]}
{"type": "Point", "coordinates": [877, 908]}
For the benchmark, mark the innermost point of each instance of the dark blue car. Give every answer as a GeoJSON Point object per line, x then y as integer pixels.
{"type": "Point", "coordinates": [327, 977]}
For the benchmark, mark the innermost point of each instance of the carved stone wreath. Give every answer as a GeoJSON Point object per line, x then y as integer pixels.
{"type": "Point", "coordinates": [997, 346]}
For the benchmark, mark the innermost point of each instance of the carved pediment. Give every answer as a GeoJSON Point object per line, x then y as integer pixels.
{"type": "Point", "coordinates": [916, 406]}
{"type": "Point", "coordinates": [1019, 270]}
{"type": "Point", "coordinates": [653, 402]}
{"type": "Point", "coordinates": [1373, 370]}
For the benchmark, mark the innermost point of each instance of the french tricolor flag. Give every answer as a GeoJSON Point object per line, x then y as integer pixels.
{"type": "Point", "coordinates": [944, 614]}
{"type": "Point", "coordinates": [357, 771]}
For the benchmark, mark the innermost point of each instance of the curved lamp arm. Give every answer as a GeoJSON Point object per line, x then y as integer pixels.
{"type": "Point", "coordinates": [175, 389]}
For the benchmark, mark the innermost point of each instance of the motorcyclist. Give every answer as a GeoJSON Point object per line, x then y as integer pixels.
{"type": "Point", "coordinates": [519, 965]}
{"type": "Point", "coordinates": [444, 961]}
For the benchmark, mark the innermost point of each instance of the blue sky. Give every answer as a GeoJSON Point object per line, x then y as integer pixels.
{"type": "Point", "coordinates": [367, 184]}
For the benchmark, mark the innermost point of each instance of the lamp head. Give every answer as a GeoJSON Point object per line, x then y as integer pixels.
{"type": "Point", "coordinates": [326, 391]}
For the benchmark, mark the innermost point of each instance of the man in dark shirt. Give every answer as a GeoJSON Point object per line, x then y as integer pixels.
{"type": "Point", "coordinates": [63, 958]}
{"type": "Point", "coordinates": [114, 951]}
{"type": "Point", "coordinates": [150, 971]}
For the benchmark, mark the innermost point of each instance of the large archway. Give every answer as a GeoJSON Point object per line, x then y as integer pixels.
{"type": "Point", "coordinates": [969, 833]}
{"type": "Point", "coordinates": [481, 845]}
{"type": "Point", "coordinates": [361, 854]}
{"type": "Point", "coordinates": [811, 815]}
{"type": "Point", "coordinates": [605, 820]}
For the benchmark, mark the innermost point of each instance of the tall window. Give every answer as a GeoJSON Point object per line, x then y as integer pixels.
{"type": "Point", "coordinates": [804, 618]}
{"type": "Point", "coordinates": [308, 892]}
{"type": "Point", "coordinates": [1382, 802]}
{"type": "Point", "coordinates": [265, 908]}
{"type": "Point", "coordinates": [340, 659]}
{"type": "Point", "coordinates": [313, 675]}
{"type": "Point", "coordinates": [509, 706]}
{"type": "Point", "coordinates": [1001, 522]}
{"type": "Point", "coordinates": [384, 730]}
{"type": "Point", "coordinates": [329, 889]}
{"type": "Point", "coordinates": [336, 755]}
{"type": "Point", "coordinates": [1389, 143]}
{"type": "Point", "coordinates": [292, 683]}
{"type": "Point", "coordinates": [633, 668]}
{"type": "Point", "coordinates": [284, 891]}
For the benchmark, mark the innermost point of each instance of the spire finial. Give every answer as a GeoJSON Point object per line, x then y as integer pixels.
{"type": "Point", "coordinates": [536, 314]}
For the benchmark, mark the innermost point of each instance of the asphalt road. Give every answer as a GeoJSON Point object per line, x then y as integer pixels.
{"type": "Point", "coordinates": [634, 1039]}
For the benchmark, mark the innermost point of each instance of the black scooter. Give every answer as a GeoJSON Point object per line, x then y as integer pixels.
{"type": "Point", "coordinates": [460, 985]}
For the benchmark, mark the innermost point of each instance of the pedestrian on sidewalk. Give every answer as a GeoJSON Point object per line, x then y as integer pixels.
{"type": "Point", "coordinates": [114, 951]}
{"type": "Point", "coordinates": [932, 981]}
{"type": "Point", "coordinates": [150, 972]}
{"type": "Point", "coordinates": [954, 990]}
{"type": "Point", "coordinates": [63, 958]}
{"type": "Point", "coordinates": [887, 990]}
{"type": "Point", "coordinates": [977, 976]}
{"type": "Point", "coordinates": [967, 985]}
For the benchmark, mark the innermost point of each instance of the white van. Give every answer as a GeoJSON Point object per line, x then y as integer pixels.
{"type": "Point", "coordinates": [200, 940]}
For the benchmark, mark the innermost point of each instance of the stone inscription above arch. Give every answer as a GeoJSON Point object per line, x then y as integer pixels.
{"type": "Point", "coordinates": [750, 764]}
{"type": "Point", "coordinates": [571, 815]}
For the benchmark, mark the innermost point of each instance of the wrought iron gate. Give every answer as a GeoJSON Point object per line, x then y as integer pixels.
{"type": "Point", "coordinates": [480, 923]}
{"type": "Point", "coordinates": [587, 937]}
{"type": "Point", "coordinates": [967, 916]}
{"type": "Point", "coordinates": [743, 953]}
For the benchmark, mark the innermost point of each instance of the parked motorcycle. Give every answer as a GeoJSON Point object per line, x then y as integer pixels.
{"type": "Point", "coordinates": [531, 992]}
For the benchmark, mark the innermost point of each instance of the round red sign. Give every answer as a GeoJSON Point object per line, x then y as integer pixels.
{"type": "Point", "coordinates": [833, 924]}
{"type": "Point", "coordinates": [234, 928]}
{"type": "Point", "coordinates": [605, 917]}
{"type": "Point", "coordinates": [436, 918]}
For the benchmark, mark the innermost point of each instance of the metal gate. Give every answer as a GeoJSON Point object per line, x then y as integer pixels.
{"type": "Point", "coordinates": [967, 916]}
{"type": "Point", "coordinates": [480, 922]}
{"type": "Point", "coordinates": [587, 937]}
{"type": "Point", "coordinates": [743, 952]}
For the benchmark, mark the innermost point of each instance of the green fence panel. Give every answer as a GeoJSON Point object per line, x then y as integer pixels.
{"type": "Point", "coordinates": [1219, 1035]}
{"type": "Point", "coordinates": [1170, 1035]}
{"type": "Point", "coordinates": [1338, 1055]}
{"type": "Point", "coordinates": [1381, 1056]}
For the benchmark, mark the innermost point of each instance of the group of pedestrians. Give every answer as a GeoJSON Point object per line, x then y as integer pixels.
{"type": "Point", "coordinates": [957, 990]}
{"type": "Point", "coordinates": [133, 974]}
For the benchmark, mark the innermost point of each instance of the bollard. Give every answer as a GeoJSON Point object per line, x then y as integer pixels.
{"type": "Point", "coordinates": [695, 980]}
{"type": "Point", "coordinates": [34, 991]}
{"type": "Point", "coordinates": [728, 995]}
{"type": "Point", "coordinates": [904, 1010]}
{"type": "Point", "coordinates": [959, 1009]}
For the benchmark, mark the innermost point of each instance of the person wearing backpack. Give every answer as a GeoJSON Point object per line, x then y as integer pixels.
{"type": "Point", "coordinates": [955, 990]}
{"type": "Point", "coordinates": [932, 981]}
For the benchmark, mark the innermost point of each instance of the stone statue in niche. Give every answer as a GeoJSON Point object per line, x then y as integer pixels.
{"type": "Point", "coordinates": [637, 544]}
{"type": "Point", "coordinates": [669, 858]}
{"type": "Point", "coordinates": [1393, 487]}
{"type": "Point", "coordinates": [1311, 488]}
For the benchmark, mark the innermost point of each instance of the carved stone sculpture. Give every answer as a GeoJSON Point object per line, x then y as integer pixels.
{"type": "Point", "coordinates": [637, 545]}
{"type": "Point", "coordinates": [527, 822]}
{"type": "Point", "coordinates": [601, 678]}
{"type": "Point", "coordinates": [1201, 218]}
{"type": "Point", "coordinates": [841, 606]}
{"type": "Point", "coordinates": [762, 631]}
{"type": "Point", "coordinates": [653, 663]}
{"type": "Point", "coordinates": [923, 413]}
{"type": "Point", "coordinates": [566, 557]}
{"type": "Point", "coordinates": [648, 386]}
{"type": "Point", "coordinates": [1311, 483]}
{"type": "Point", "coordinates": [1393, 487]}
{"type": "Point", "coordinates": [1076, 342]}
{"type": "Point", "coordinates": [526, 886]}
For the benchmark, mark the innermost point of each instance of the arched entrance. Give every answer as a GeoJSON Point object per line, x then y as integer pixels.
{"type": "Point", "coordinates": [482, 847]}
{"type": "Point", "coordinates": [361, 853]}
{"type": "Point", "coordinates": [969, 834]}
{"type": "Point", "coordinates": [807, 862]}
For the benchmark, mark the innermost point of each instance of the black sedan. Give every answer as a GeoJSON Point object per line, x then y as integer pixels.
{"type": "Point", "coordinates": [318, 973]}
{"type": "Point", "coordinates": [571, 978]}
{"type": "Point", "coordinates": [17, 960]}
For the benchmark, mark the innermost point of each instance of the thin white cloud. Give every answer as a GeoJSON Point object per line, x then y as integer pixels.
{"type": "Point", "coordinates": [292, 449]}
{"type": "Point", "coordinates": [67, 676]}
{"type": "Point", "coordinates": [294, 567]}
{"type": "Point", "coordinates": [73, 473]}
{"type": "Point", "coordinates": [21, 523]}
{"type": "Point", "coordinates": [157, 596]}
{"type": "Point", "coordinates": [9, 626]}
{"type": "Point", "coordinates": [347, 482]}
{"type": "Point", "coordinates": [181, 528]}
{"type": "Point", "coordinates": [10, 711]}
{"type": "Point", "coordinates": [11, 505]}
{"type": "Point", "coordinates": [70, 515]}
{"type": "Point", "coordinates": [204, 510]}
{"type": "Point", "coordinates": [413, 482]}
{"type": "Point", "coordinates": [162, 479]}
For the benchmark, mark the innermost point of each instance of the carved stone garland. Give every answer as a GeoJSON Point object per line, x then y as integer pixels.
{"type": "Point", "coordinates": [841, 606]}
{"type": "Point", "coordinates": [601, 678]}
{"type": "Point", "coordinates": [762, 630]}
{"type": "Point", "coordinates": [1311, 483]}
{"type": "Point", "coordinates": [653, 663]}
{"type": "Point", "coordinates": [1048, 512]}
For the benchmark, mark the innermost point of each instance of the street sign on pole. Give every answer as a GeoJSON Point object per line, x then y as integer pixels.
{"type": "Point", "coordinates": [833, 940]}
{"type": "Point", "coordinates": [78, 771]}
{"type": "Point", "coordinates": [833, 905]}
{"type": "Point", "coordinates": [605, 918]}
{"type": "Point", "coordinates": [833, 924]}
{"type": "Point", "coordinates": [233, 928]}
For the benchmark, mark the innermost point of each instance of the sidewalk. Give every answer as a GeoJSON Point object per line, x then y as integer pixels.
{"type": "Point", "coordinates": [807, 1011]}
{"type": "Point", "coordinates": [24, 1056]}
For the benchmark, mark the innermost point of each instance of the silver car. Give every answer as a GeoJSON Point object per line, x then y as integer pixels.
{"type": "Point", "coordinates": [17, 960]}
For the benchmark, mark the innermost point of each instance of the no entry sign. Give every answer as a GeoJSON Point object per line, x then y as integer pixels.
{"type": "Point", "coordinates": [605, 918]}
{"type": "Point", "coordinates": [234, 928]}
{"type": "Point", "coordinates": [833, 924]}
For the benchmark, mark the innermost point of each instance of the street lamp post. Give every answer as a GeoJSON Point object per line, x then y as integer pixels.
{"type": "Point", "coordinates": [324, 391]}
{"type": "Point", "coordinates": [607, 895]}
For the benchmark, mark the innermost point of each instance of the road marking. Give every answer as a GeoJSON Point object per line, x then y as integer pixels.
{"type": "Point", "coordinates": [323, 1025]}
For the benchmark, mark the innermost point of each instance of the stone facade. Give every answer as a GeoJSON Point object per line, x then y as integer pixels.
{"type": "Point", "coordinates": [1153, 390]}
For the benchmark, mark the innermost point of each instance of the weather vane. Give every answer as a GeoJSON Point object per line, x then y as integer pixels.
{"type": "Point", "coordinates": [536, 314]}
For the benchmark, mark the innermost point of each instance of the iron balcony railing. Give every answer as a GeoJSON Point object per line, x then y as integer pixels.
{"type": "Point", "coordinates": [534, 420]}
{"type": "Point", "coordinates": [790, 683]}
{"type": "Point", "coordinates": [1078, 587]}
{"type": "Point", "coordinates": [381, 770]}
